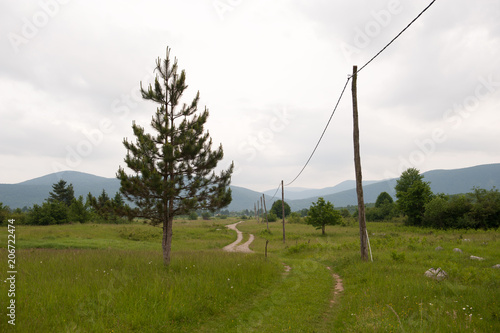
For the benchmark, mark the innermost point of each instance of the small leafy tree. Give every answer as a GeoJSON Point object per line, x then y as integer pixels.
{"type": "Point", "coordinates": [277, 209]}
{"type": "Point", "coordinates": [173, 168]}
{"type": "Point", "coordinates": [412, 194]}
{"type": "Point", "coordinates": [323, 213]}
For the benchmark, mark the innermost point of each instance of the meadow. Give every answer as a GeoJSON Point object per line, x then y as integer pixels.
{"type": "Point", "coordinates": [110, 278]}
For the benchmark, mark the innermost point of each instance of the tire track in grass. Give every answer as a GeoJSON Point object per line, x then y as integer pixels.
{"type": "Point", "coordinates": [234, 247]}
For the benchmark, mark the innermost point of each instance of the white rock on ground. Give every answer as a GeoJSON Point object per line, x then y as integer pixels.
{"type": "Point", "coordinates": [497, 266]}
{"type": "Point", "coordinates": [437, 274]}
{"type": "Point", "coordinates": [476, 258]}
{"type": "Point", "coordinates": [457, 250]}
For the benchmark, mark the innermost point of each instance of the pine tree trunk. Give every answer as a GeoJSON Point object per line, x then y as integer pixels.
{"type": "Point", "coordinates": [166, 243]}
{"type": "Point", "coordinates": [323, 229]}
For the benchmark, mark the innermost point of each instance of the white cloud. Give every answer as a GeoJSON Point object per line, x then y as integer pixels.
{"type": "Point", "coordinates": [84, 65]}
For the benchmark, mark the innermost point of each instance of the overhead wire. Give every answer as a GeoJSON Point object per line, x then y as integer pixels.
{"type": "Point", "coordinates": [322, 134]}
{"type": "Point", "coordinates": [343, 90]}
{"type": "Point", "coordinates": [401, 32]}
{"type": "Point", "coordinates": [276, 191]}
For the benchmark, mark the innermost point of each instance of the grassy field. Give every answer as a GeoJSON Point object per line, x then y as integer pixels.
{"type": "Point", "coordinates": [110, 278]}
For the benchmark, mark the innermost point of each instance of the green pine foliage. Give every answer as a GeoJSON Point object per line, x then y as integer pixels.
{"type": "Point", "coordinates": [77, 211]}
{"type": "Point", "coordinates": [105, 209]}
{"type": "Point", "coordinates": [4, 213]}
{"type": "Point", "coordinates": [172, 169]}
{"type": "Point", "coordinates": [62, 193]}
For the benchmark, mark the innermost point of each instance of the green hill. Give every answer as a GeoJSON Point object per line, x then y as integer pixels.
{"type": "Point", "coordinates": [35, 191]}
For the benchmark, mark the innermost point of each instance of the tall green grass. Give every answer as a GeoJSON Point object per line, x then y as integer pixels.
{"type": "Point", "coordinates": [391, 294]}
{"type": "Point", "coordinates": [132, 291]}
{"type": "Point", "coordinates": [110, 278]}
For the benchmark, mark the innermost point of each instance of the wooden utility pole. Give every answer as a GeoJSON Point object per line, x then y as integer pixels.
{"type": "Point", "coordinates": [265, 211]}
{"type": "Point", "coordinates": [357, 167]}
{"type": "Point", "coordinates": [258, 212]}
{"type": "Point", "coordinates": [254, 211]}
{"type": "Point", "coordinates": [262, 209]}
{"type": "Point", "coordinates": [283, 208]}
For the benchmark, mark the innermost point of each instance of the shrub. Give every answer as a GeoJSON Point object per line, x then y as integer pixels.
{"type": "Point", "coordinates": [271, 217]}
{"type": "Point", "coordinates": [480, 209]}
{"type": "Point", "coordinates": [55, 212]}
{"type": "Point", "coordinates": [295, 218]}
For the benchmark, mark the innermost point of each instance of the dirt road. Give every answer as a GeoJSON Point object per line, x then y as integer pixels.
{"type": "Point", "coordinates": [234, 247]}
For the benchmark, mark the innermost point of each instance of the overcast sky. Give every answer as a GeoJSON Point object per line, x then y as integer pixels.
{"type": "Point", "coordinates": [270, 73]}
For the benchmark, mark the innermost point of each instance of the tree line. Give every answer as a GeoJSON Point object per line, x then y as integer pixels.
{"type": "Point", "coordinates": [479, 209]}
{"type": "Point", "coordinates": [415, 204]}
{"type": "Point", "coordinates": [62, 207]}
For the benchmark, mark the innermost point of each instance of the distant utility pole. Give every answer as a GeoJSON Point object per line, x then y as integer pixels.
{"type": "Point", "coordinates": [265, 210]}
{"type": "Point", "coordinates": [262, 208]}
{"type": "Point", "coordinates": [283, 208]}
{"type": "Point", "coordinates": [357, 167]}
{"type": "Point", "coordinates": [258, 212]}
{"type": "Point", "coordinates": [254, 211]}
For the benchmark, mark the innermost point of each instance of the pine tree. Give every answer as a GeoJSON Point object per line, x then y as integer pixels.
{"type": "Point", "coordinates": [62, 193]}
{"type": "Point", "coordinates": [173, 168]}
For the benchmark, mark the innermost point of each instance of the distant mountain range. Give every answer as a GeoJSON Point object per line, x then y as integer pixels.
{"type": "Point", "coordinates": [442, 181]}
{"type": "Point", "coordinates": [297, 193]}
{"type": "Point", "coordinates": [36, 190]}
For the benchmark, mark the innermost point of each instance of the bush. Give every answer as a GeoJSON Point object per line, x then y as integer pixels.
{"type": "Point", "coordinates": [193, 216]}
{"type": "Point", "coordinates": [480, 209]}
{"type": "Point", "coordinates": [55, 212]}
{"type": "Point", "coordinates": [486, 208]}
{"type": "Point", "coordinates": [344, 212]}
{"type": "Point", "coordinates": [271, 217]}
{"type": "Point", "coordinates": [295, 218]}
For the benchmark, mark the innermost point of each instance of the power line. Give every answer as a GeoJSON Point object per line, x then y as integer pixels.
{"type": "Point", "coordinates": [322, 134]}
{"type": "Point", "coordinates": [376, 55]}
{"type": "Point", "coordinates": [276, 191]}
{"type": "Point", "coordinates": [343, 90]}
